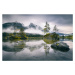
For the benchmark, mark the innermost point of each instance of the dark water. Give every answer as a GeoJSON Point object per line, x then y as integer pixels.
{"type": "Point", "coordinates": [35, 50]}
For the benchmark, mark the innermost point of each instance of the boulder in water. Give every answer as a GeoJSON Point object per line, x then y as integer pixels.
{"type": "Point", "coordinates": [60, 46]}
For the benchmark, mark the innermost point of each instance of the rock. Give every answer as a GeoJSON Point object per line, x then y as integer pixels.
{"type": "Point", "coordinates": [60, 46]}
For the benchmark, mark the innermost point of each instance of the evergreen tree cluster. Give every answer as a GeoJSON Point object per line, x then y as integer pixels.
{"type": "Point", "coordinates": [50, 35]}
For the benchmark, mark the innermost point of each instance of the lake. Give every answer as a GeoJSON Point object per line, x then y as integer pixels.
{"type": "Point", "coordinates": [35, 50]}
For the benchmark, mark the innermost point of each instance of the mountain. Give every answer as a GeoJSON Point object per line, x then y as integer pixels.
{"type": "Point", "coordinates": [31, 25]}
{"type": "Point", "coordinates": [71, 34]}
{"type": "Point", "coordinates": [9, 26]}
{"type": "Point", "coordinates": [14, 25]}
{"type": "Point", "coordinates": [63, 34]}
{"type": "Point", "coordinates": [20, 25]}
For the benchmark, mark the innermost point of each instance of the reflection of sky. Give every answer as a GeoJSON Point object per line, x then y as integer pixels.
{"type": "Point", "coordinates": [64, 22]}
{"type": "Point", "coordinates": [38, 53]}
{"type": "Point", "coordinates": [34, 43]}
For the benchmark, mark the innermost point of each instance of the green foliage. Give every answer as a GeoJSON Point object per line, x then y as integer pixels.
{"type": "Point", "coordinates": [69, 37]}
{"type": "Point", "coordinates": [55, 36]}
{"type": "Point", "coordinates": [47, 28]}
{"type": "Point", "coordinates": [52, 36]}
{"type": "Point", "coordinates": [21, 30]}
{"type": "Point", "coordinates": [47, 35]}
{"type": "Point", "coordinates": [11, 36]}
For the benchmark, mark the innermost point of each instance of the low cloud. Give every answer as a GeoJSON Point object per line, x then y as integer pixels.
{"type": "Point", "coordinates": [34, 31]}
{"type": "Point", "coordinates": [8, 30]}
{"type": "Point", "coordinates": [65, 29]}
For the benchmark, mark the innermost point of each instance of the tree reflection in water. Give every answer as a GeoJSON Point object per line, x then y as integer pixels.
{"type": "Point", "coordinates": [21, 44]}
{"type": "Point", "coordinates": [34, 50]}
{"type": "Point", "coordinates": [47, 48]}
{"type": "Point", "coordinates": [49, 41]}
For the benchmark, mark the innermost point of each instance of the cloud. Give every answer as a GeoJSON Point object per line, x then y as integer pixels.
{"type": "Point", "coordinates": [65, 29]}
{"type": "Point", "coordinates": [8, 30]}
{"type": "Point", "coordinates": [60, 20]}
{"type": "Point", "coordinates": [34, 31]}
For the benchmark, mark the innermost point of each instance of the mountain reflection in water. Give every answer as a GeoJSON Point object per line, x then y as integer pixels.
{"type": "Point", "coordinates": [35, 50]}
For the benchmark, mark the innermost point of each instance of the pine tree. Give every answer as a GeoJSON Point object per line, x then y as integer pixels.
{"type": "Point", "coordinates": [47, 28]}
{"type": "Point", "coordinates": [55, 29]}
{"type": "Point", "coordinates": [22, 34]}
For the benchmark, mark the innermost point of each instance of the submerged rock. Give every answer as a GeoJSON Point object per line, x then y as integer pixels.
{"type": "Point", "coordinates": [60, 46]}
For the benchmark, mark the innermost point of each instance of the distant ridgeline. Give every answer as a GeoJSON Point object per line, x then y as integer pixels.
{"type": "Point", "coordinates": [21, 34]}
{"type": "Point", "coordinates": [18, 35]}
{"type": "Point", "coordinates": [13, 24]}
{"type": "Point", "coordinates": [20, 25]}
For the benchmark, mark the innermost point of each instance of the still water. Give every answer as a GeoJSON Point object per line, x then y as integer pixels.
{"type": "Point", "coordinates": [37, 50]}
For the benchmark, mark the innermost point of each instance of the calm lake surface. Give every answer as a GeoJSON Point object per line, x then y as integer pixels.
{"type": "Point", "coordinates": [37, 50]}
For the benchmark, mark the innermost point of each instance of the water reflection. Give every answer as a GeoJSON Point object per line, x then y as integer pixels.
{"type": "Point", "coordinates": [66, 40]}
{"type": "Point", "coordinates": [33, 45]}
{"type": "Point", "coordinates": [13, 46]}
{"type": "Point", "coordinates": [47, 48]}
{"type": "Point", "coordinates": [34, 50]}
{"type": "Point", "coordinates": [60, 50]}
{"type": "Point", "coordinates": [48, 41]}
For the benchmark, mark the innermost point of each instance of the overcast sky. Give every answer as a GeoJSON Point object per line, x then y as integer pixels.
{"type": "Point", "coordinates": [64, 22]}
